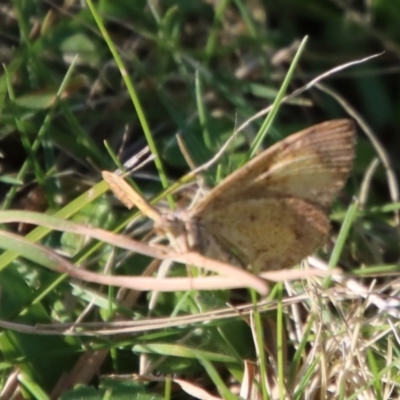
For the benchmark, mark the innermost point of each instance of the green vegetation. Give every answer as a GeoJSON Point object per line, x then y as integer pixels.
{"type": "Point", "coordinates": [85, 87]}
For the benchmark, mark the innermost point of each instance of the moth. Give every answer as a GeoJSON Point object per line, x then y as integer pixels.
{"type": "Point", "coordinates": [270, 213]}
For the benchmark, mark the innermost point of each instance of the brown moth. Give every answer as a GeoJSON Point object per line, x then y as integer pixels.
{"type": "Point", "coordinates": [272, 212]}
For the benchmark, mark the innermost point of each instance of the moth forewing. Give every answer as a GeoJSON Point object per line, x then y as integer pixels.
{"type": "Point", "coordinates": [273, 209]}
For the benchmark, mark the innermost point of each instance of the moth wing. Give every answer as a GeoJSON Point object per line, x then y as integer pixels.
{"type": "Point", "coordinates": [312, 165]}
{"type": "Point", "coordinates": [267, 233]}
